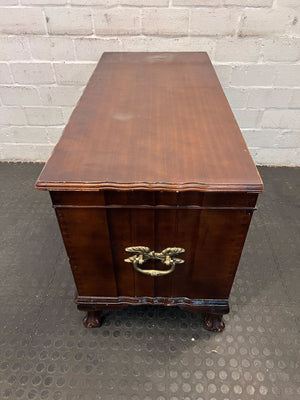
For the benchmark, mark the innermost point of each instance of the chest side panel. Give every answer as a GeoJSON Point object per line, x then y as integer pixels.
{"type": "Point", "coordinates": [214, 241]}
{"type": "Point", "coordinates": [131, 227]}
{"type": "Point", "coordinates": [97, 229]}
{"type": "Point", "coordinates": [86, 238]}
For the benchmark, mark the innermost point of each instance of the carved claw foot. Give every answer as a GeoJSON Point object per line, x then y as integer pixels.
{"type": "Point", "coordinates": [214, 322]}
{"type": "Point", "coordinates": [92, 319]}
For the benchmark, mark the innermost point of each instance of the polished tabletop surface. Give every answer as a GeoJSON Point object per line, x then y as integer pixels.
{"type": "Point", "coordinates": [152, 121]}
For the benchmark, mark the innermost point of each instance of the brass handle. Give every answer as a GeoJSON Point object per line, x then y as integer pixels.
{"type": "Point", "coordinates": [144, 253]}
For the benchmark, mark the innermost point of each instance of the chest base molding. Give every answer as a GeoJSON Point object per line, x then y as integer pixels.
{"type": "Point", "coordinates": [199, 305]}
{"type": "Point", "coordinates": [213, 309]}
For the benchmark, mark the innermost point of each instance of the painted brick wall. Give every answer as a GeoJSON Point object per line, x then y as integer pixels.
{"type": "Point", "coordinates": [48, 49]}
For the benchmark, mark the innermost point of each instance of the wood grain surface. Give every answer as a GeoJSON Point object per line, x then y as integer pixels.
{"type": "Point", "coordinates": [152, 121]}
{"type": "Point", "coordinates": [96, 239]}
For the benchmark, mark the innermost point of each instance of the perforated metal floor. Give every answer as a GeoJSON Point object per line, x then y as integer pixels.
{"type": "Point", "coordinates": [147, 353]}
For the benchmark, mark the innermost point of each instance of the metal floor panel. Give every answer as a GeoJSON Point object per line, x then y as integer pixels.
{"type": "Point", "coordinates": [147, 353]}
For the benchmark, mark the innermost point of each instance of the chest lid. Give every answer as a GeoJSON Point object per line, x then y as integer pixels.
{"type": "Point", "coordinates": [152, 121]}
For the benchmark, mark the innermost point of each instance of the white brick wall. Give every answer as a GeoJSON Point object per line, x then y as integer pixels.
{"type": "Point", "coordinates": [49, 48]}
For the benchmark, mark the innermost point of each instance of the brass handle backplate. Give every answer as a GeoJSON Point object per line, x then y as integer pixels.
{"type": "Point", "coordinates": [167, 257]}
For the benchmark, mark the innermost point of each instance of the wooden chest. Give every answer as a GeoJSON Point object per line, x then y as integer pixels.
{"type": "Point", "coordinates": [153, 186]}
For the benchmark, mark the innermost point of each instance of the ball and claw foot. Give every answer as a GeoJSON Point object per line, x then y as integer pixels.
{"type": "Point", "coordinates": [214, 322]}
{"type": "Point", "coordinates": [92, 319]}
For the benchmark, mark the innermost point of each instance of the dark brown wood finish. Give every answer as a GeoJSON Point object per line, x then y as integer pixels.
{"type": "Point", "coordinates": [152, 156]}
{"type": "Point", "coordinates": [152, 121]}
{"type": "Point", "coordinates": [96, 239]}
